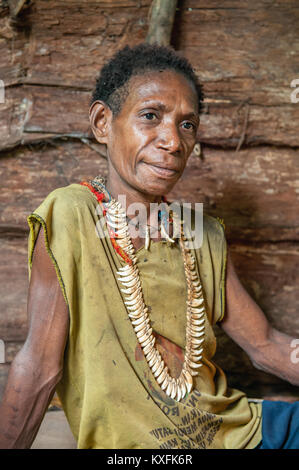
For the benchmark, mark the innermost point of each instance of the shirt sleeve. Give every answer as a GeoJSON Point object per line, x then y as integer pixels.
{"type": "Point", "coordinates": [51, 216]}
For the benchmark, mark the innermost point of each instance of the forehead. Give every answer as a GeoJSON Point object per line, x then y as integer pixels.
{"type": "Point", "coordinates": [165, 86]}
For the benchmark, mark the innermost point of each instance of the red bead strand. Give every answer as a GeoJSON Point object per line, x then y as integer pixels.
{"type": "Point", "coordinates": [112, 235]}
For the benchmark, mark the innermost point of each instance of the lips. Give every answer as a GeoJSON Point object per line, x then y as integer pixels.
{"type": "Point", "coordinates": [163, 170]}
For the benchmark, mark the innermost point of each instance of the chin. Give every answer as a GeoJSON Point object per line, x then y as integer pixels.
{"type": "Point", "coordinates": [158, 187]}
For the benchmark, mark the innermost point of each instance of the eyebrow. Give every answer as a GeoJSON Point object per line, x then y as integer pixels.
{"type": "Point", "coordinates": [162, 107]}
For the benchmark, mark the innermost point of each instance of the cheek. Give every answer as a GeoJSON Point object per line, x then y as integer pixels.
{"type": "Point", "coordinates": [139, 137]}
{"type": "Point", "coordinates": [118, 147]}
{"type": "Point", "coordinates": [128, 140]}
{"type": "Point", "coordinates": [190, 142]}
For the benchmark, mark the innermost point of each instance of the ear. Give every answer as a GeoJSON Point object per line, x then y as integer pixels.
{"type": "Point", "coordinates": [100, 116]}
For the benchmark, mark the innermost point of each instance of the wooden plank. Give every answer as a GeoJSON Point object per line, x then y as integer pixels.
{"type": "Point", "coordinates": [66, 111]}
{"type": "Point", "coordinates": [25, 115]}
{"type": "Point", "coordinates": [12, 74]}
{"type": "Point", "coordinates": [242, 375]}
{"type": "Point", "coordinates": [27, 177]}
{"type": "Point", "coordinates": [13, 291]}
{"type": "Point", "coordinates": [222, 124]}
{"type": "Point", "coordinates": [255, 191]}
{"type": "Point", "coordinates": [65, 38]}
{"type": "Point", "coordinates": [44, 110]}
{"type": "Point", "coordinates": [235, 69]}
{"type": "Point", "coordinates": [228, 59]}
{"type": "Point", "coordinates": [236, 73]}
{"type": "Point", "coordinates": [64, 34]}
{"type": "Point", "coordinates": [4, 368]}
{"type": "Point", "coordinates": [11, 348]}
{"type": "Point", "coordinates": [270, 273]}
{"type": "Point", "coordinates": [235, 4]}
{"type": "Point", "coordinates": [103, 3]}
{"type": "Point", "coordinates": [262, 61]}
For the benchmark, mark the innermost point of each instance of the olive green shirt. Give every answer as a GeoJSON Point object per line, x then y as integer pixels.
{"type": "Point", "coordinates": [108, 392]}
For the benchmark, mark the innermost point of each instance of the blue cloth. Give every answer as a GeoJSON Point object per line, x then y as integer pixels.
{"type": "Point", "coordinates": [280, 425]}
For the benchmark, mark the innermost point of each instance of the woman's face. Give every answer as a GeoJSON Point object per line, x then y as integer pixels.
{"type": "Point", "coordinates": [151, 138]}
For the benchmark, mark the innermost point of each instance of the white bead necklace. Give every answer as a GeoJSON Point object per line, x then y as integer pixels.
{"type": "Point", "coordinates": [176, 388]}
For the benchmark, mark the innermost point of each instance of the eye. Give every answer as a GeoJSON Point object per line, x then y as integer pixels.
{"type": "Point", "coordinates": [188, 125]}
{"type": "Point", "coordinates": [150, 116]}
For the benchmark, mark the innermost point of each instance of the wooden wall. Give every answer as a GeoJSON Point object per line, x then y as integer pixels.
{"type": "Point", "coordinates": [246, 55]}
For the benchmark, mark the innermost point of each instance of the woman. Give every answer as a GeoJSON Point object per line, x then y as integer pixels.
{"type": "Point", "coordinates": [121, 321]}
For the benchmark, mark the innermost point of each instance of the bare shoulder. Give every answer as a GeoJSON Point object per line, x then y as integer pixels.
{"type": "Point", "coordinates": [48, 316]}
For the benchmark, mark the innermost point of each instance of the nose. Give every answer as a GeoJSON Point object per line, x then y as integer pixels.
{"type": "Point", "coordinates": [169, 138]}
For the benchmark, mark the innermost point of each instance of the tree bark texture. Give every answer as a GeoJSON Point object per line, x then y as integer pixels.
{"type": "Point", "coordinates": [245, 54]}
{"type": "Point", "coordinates": [162, 15]}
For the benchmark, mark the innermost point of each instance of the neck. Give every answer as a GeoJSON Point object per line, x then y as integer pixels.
{"type": "Point", "coordinates": [119, 188]}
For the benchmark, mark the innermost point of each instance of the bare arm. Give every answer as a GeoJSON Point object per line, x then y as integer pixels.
{"type": "Point", "coordinates": [269, 349]}
{"type": "Point", "coordinates": [37, 368]}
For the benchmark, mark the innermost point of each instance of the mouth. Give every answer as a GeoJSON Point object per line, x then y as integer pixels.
{"type": "Point", "coordinates": [162, 171]}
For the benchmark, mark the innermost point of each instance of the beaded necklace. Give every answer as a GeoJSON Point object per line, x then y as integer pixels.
{"type": "Point", "coordinates": [128, 276]}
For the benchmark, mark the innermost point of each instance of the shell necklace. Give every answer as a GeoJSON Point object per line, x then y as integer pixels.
{"type": "Point", "coordinates": [176, 388]}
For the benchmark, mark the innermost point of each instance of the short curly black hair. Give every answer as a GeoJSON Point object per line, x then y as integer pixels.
{"type": "Point", "coordinates": [112, 82]}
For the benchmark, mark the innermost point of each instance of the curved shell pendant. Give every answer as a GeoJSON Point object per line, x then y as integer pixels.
{"type": "Point", "coordinates": [128, 276]}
